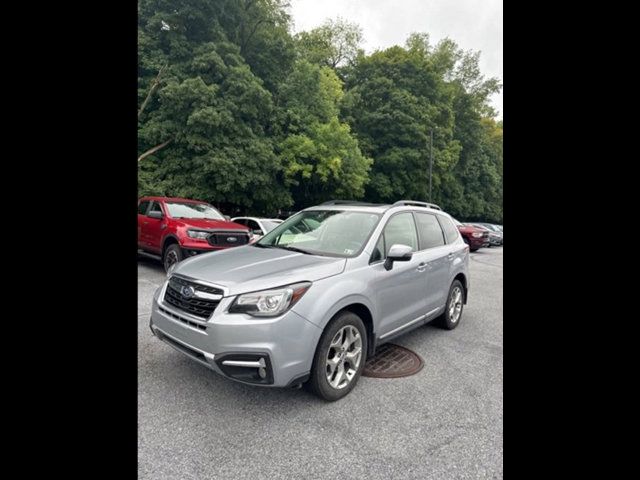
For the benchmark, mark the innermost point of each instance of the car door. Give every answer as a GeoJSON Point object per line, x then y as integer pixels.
{"type": "Point", "coordinates": [399, 292]}
{"type": "Point", "coordinates": [152, 228]}
{"type": "Point", "coordinates": [142, 215]}
{"type": "Point", "coordinates": [436, 256]}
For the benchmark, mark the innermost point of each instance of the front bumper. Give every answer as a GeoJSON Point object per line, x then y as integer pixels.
{"type": "Point", "coordinates": [238, 345]}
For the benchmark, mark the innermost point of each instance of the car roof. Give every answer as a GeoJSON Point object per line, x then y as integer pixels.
{"type": "Point", "coordinates": [376, 208]}
{"type": "Point", "coordinates": [172, 199]}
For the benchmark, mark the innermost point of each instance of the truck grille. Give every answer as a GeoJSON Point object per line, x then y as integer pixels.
{"type": "Point", "coordinates": [228, 239]}
{"type": "Point", "coordinates": [197, 306]}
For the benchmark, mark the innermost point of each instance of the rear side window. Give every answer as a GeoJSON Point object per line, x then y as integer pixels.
{"type": "Point", "coordinates": [241, 221]}
{"type": "Point", "coordinates": [400, 229]}
{"type": "Point", "coordinates": [142, 207]}
{"type": "Point", "coordinates": [450, 230]}
{"type": "Point", "coordinates": [430, 232]}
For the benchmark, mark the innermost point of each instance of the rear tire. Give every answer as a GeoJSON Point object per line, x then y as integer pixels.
{"type": "Point", "coordinates": [332, 374]}
{"type": "Point", "coordinates": [452, 315]}
{"type": "Point", "coordinates": [172, 254]}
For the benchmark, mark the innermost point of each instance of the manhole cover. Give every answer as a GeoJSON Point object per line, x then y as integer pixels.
{"type": "Point", "coordinates": [392, 361]}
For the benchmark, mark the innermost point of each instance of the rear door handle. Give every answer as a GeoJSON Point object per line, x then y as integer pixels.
{"type": "Point", "coordinates": [145, 223]}
{"type": "Point", "coordinates": [422, 267]}
{"type": "Point", "coordinates": [450, 256]}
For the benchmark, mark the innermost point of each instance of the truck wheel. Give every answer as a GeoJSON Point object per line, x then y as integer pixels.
{"type": "Point", "coordinates": [173, 254]}
{"type": "Point", "coordinates": [340, 357]}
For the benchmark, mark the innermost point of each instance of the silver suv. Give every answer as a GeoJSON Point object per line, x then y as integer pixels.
{"type": "Point", "coordinates": [314, 297]}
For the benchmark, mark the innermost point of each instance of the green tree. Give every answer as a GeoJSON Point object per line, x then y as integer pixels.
{"type": "Point", "coordinates": [321, 158]}
{"type": "Point", "coordinates": [333, 44]}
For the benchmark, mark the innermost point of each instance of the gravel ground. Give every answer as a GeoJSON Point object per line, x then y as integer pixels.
{"type": "Point", "coordinates": [444, 422]}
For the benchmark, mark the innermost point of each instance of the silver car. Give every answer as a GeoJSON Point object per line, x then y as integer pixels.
{"type": "Point", "coordinates": [313, 298]}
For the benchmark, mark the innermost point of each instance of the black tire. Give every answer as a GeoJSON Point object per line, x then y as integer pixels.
{"type": "Point", "coordinates": [318, 382]}
{"type": "Point", "coordinates": [172, 254]}
{"type": "Point", "coordinates": [446, 321]}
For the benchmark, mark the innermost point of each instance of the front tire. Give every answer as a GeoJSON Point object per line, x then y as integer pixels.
{"type": "Point", "coordinates": [172, 254]}
{"type": "Point", "coordinates": [450, 319]}
{"type": "Point", "coordinates": [340, 357]}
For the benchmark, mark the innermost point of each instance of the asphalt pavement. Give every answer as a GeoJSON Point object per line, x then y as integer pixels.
{"type": "Point", "coordinates": [445, 422]}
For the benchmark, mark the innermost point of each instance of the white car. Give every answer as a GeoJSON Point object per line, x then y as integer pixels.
{"type": "Point", "coordinates": [258, 226]}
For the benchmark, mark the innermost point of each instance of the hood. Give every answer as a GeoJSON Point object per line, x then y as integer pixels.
{"type": "Point", "coordinates": [470, 229]}
{"type": "Point", "coordinates": [208, 224]}
{"type": "Point", "coordinates": [248, 268]}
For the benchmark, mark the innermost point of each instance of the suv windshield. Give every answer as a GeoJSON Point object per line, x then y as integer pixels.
{"type": "Point", "coordinates": [323, 232]}
{"type": "Point", "coordinates": [193, 210]}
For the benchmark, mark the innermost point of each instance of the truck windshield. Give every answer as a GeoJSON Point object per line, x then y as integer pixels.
{"type": "Point", "coordinates": [323, 232]}
{"type": "Point", "coordinates": [193, 210]}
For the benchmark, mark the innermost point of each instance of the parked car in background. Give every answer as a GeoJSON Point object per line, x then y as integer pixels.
{"type": "Point", "coordinates": [473, 236]}
{"type": "Point", "coordinates": [494, 228]}
{"type": "Point", "coordinates": [176, 228]}
{"type": "Point", "coordinates": [312, 299]}
{"type": "Point", "coordinates": [258, 226]}
{"type": "Point", "coordinates": [495, 235]}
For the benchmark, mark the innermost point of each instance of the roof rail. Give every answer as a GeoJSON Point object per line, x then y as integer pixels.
{"type": "Point", "coordinates": [346, 202]}
{"type": "Point", "coordinates": [405, 203]}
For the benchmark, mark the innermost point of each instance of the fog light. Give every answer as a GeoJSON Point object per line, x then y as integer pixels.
{"type": "Point", "coordinates": [262, 372]}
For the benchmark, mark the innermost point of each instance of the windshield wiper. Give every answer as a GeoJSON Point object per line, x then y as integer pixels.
{"type": "Point", "coordinates": [294, 249]}
{"type": "Point", "coordinates": [260, 245]}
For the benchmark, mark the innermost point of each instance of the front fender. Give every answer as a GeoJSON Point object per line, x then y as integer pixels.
{"type": "Point", "coordinates": [327, 297]}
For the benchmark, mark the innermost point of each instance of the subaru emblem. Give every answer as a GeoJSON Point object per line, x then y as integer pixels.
{"type": "Point", "coordinates": [187, 291]}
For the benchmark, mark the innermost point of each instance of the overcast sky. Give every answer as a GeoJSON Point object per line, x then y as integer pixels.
{"type": "Point", "coordinates": [472, 24]}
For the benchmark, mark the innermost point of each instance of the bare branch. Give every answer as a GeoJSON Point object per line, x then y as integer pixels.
{"type": "Point", "coordinates": [153, 150]}
{"type": "Point", "coordinates": [154, 85]}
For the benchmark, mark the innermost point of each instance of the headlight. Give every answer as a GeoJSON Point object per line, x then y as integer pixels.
{"type": "Point", "coordinates": [198, 234]}
{"type": "Point", "coordinates": [476, 234]}
{"type": "Point", "coordinates": [269, 303]}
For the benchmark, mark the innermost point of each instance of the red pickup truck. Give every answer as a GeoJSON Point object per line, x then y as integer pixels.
{"type": "Point", "coordinates": [176, 228]}
{"type": "Point", "coordinates": [473, 236]}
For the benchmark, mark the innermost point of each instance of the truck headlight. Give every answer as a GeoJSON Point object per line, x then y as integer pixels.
{"type": "Point", "coordinates": [198, 234]}
{"type": "Point", "coordinates": [269, 303]}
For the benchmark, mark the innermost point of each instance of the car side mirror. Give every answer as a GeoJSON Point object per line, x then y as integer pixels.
{"type": "Point", "coordinates": [155, 214]}
{"type": "Point", "coordinates": [398, 253]}
{"type": "Point", "coordinates": [227, 218]}
{"type": "Point", "coordinates": [257, 231]}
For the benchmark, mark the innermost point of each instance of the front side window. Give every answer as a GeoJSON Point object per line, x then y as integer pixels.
{"type": "Point", "coordinates": [323, 232]}
{"type": "Point", "coordinates": [400, 229]}
{"type": "Point", "coordinates": [193, 210]}
{"type": "Point", "coordinates": [155, 207]}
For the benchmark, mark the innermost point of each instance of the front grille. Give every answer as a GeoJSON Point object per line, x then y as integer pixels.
{"type": "Point", "coordinates": [199, 307]}
{"type": "Point", "coordinates": [228, 239]}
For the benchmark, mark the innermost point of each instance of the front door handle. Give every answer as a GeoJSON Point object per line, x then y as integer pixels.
{"type": "Point", "coordinates": [422, 267]}
{"type": "Point", "coordinates": [145, 223]}
{"type": "Point", "coordinates": [450, 256]}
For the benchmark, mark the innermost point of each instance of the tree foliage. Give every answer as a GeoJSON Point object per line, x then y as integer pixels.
{"type": "Point", "coordinates": [235, 110]}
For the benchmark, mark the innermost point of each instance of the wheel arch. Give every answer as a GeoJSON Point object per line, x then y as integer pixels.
{"type": "Point", "coordinates": [360, 306]}
{"type": "Point", "coordinates": [169, 240]}
{"type": "Point", "coordinates": [463, 280]}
